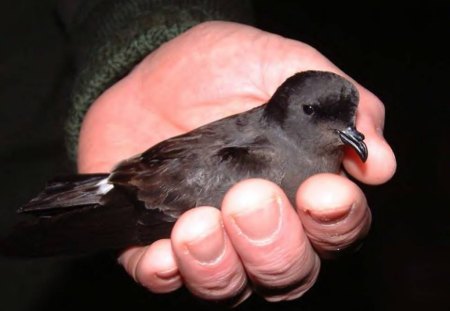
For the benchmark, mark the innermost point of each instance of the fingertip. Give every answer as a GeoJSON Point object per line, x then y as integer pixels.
{"type": "Point", "coordinates": [208, 263]}
{"type": "Point", "coordinates": [153, 266]}
{"type": "Point", "coordinates": [250, 194]}
{"type": "Point", "coordinates": [381, 163]}
{"type": "Point", "coordinates": [325, 195]}
{"type": "Point", "coordinates": [130, 258]}
{"type": "Point", "coordinates": [199, 233]}
{"type": "Point", "coordinates": [255, 210]}
{"type": "Point", "coordinates": [269, 238]}
{"type": "Point", "coordinates": [157, 269]}
{"type": "Point", "coordinates": [334, 213]}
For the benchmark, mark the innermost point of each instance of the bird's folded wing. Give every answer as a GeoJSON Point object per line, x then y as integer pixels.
{"type": "Point", "coordinates": [185, 171]}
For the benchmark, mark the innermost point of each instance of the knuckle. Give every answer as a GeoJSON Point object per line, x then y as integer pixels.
{"type": "Point", "coordinates": [292, 284]}
{"type": "Point", "coordinates": [219, 287]}
{"type": "Point", "coordinates": [283, 268]}
{"type": "Point", "coordinates": [343, 235]}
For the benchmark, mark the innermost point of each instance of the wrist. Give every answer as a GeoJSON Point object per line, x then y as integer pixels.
{"type": "Point", "coordinates": [111, 37]}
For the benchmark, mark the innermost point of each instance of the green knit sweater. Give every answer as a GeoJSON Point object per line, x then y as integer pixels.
{"type": "Point", "coordinates": [111, 36]}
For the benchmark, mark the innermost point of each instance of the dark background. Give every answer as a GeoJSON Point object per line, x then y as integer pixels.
{"type": "Point", "coordinates": [399, 54]}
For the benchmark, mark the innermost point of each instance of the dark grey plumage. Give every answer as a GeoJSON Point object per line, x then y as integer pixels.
{"type": "Point", "coordinates": [300, 132]}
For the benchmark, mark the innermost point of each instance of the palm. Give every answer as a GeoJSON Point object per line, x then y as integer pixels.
{"type": "Point", "coordinates": [180, 87]}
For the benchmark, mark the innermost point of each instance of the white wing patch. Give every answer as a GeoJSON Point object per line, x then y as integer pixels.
{"type": "Point", "coordinates": [104, 186]}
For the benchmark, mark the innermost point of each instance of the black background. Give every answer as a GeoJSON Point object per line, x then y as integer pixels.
{"type": "Point", "coordinates": [400, 54]}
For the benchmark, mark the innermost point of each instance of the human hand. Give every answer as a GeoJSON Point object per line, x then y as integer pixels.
{"type": "Point", "coordinates": [211, 71]}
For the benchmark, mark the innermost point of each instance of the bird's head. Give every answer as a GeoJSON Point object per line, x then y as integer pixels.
{"type": "Point", "coordinates": [320, 107]}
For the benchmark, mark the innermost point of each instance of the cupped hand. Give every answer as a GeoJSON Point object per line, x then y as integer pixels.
{"type": "Point", "coordinates": [257, 241]}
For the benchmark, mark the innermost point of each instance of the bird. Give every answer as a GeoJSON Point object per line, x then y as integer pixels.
{"type": "Point", "coordinates": [302, 130]}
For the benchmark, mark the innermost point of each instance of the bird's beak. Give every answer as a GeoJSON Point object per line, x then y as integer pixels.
{"type": "Point", "coordinates": [350, 136]}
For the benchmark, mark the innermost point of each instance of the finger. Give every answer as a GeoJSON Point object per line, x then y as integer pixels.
{"type": "Point", "coordinates": [208, 263]}
{"type": "Point", "coordinates": [381, 163]}
{"type": "Point", "coordinates": [268, 235]}
{"type": "Point", "coordinates": [334, 213]}
{"type": "Point", "coordinates": [154, 267]}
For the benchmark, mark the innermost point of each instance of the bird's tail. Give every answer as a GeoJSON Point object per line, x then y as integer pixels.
{"type": "Point", "coordinates": [67, 193]}
{"type": "Point", "coordinates": [82, 214]}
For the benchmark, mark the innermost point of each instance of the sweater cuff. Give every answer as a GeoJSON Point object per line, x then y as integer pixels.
{"type": "Point", "coordinates": [111, 37]}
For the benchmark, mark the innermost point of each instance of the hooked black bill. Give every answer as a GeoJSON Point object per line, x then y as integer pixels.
{"type": "Point", "coordinates": [351, 137]}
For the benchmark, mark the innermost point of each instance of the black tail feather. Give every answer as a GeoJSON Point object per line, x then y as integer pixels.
{"type": "Point", "coordinates": [92, 223]}
{"type": "Point", "coordinates": [67, 192]}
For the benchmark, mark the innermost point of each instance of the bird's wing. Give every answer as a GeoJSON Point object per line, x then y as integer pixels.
{"type": "Point", "coordinates": [195, 169]}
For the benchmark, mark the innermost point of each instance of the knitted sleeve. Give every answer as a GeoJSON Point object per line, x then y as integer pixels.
{"type": "Point", "coordinates": [111, 36]}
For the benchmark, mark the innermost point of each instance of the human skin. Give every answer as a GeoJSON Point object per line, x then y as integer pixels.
{"type": "Point", "coordinates": [257, 242]}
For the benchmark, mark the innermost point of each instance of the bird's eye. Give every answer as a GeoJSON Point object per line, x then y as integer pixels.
{"type": "Point", "coordinates": [308, 109]}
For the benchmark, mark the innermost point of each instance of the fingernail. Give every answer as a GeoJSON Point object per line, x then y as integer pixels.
{"type": "Point", "coordinates": [329, 216]}
{"type": "Point", "coordinates": [261, 222]}
{"type": "Point", "coordinates": [168, 274]}
{"type": "Point", "coordinates": [208, 248]}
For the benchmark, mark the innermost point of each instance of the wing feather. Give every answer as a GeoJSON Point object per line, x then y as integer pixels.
{"type": "Point", "coordinates": [196, 169]}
